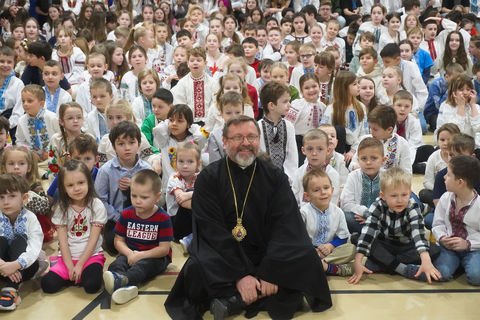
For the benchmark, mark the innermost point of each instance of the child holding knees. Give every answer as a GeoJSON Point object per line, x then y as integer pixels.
{"type": "Point", "coordinates": [101, 94]}
{"type": "Point", "coordinates": [20, 161]}
{"type": "Point", "coordinates": [79, 219]}
{"type": "Point", "coordinates": [346, 111]}
{"type": "Point", "coordinates": [139, 260]}
{"type": "Point", "coordinates": [114, 177]}
{"type": "Point", "coordinates": [162, 102]}
{"type": "Point", "coordinates": [408, 127]}
{"type": "Point", "coordinates": [37, 126]}
{"type": "Point", "coordinates": [19, 246]}
{"type": "Point", "coordinates": [362, 187]}
{"type": "Point", "coordinates": [277, 136]}
{"type": "Point", "coordinates": [326, 225]}
{"type": "Point", "coordinates": [117, 111]}
{"type": "Point", "coordinates": [315, 148]}
{"type": "Point", "coordinates": [458, 233]}
{"type": "Point", "coordinates": [393, 238]}
{"type": "Point", "coordinates": [279, 73]}
{"type": "Point", "coordinates": [55, 96]}
{"type": "Point", "coordinates": [180, 188]}
{"type": "Point", "coordinates": [148, 83]}
{"type": "Point", "coordinates": [168, 134]}
{"type": "Point", "coordinates": [461, 107]}
{"type": "Point", "coordinates": [306, 113]}
{"type": "Point", "coordinates": [231, 104]}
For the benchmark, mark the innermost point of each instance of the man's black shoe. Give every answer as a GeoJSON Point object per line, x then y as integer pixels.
{"type": "Point", "coordinates": [222, 308]}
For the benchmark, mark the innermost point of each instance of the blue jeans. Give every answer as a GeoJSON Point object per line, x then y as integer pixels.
{"type": "Point", "coordinates": [352, 224]}
{"type": "Point", "coordinates": [448, 262]}
{"type": "Point", "coordinates": [423, 122]}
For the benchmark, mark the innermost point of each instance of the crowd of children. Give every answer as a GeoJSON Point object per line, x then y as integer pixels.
{"type": "Point", "coordinates": [117, 106]}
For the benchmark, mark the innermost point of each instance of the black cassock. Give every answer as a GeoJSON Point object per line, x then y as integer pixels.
{"type": "Point", "coordinates": [276, 249]}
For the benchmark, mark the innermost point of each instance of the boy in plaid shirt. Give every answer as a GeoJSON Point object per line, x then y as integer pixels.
{"type": "Point", "coordinates": [393, 238]}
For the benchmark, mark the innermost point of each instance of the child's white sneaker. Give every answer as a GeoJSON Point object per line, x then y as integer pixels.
{"type": "Point", "coordinates": [125, 294]}
{"type": "Point", "coordinates": [9, 299]}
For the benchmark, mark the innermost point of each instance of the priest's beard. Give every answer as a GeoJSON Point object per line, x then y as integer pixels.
{"type": "Point", "coordinates": [242, 161]}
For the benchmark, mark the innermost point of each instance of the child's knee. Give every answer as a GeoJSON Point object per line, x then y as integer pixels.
{"type": "Point", "coordinates": [473, 275]}
{"type": "Point", "coordinates": [51, 283]}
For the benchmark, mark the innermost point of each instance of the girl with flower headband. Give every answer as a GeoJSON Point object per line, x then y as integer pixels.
{"type": "Point", "coordinates": [178, 127]}
{"type": "Point", "coordinates": [180, 191]}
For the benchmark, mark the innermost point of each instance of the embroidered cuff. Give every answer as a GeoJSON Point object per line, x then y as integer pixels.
{"type": "Point", "coordinates": [97, 224]}
{"type": "Point", "coordinates": [22, 262]}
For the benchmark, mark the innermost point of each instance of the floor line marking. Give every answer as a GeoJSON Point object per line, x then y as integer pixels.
{"type": "Point", "coordinates": [91, 306]}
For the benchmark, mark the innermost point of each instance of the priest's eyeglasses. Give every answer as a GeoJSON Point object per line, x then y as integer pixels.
{"type": "Point", "coordinates": [250, 138]}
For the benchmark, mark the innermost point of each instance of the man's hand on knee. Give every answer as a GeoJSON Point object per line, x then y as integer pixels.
{"type": "Point", "coordinates": [248, 286]}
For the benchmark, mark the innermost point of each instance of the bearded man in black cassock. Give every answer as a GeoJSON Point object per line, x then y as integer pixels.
{"type": "Point", "coordinates": [250, 248]}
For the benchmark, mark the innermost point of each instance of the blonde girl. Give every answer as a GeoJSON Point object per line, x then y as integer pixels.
{"type": "Point", "coordinates": [71, 58]}
{"type": "Point", "coordinates": [79, 220]}
{"type": "Point", "coordinates": [178, 127]}
{"type": "Point", "coordinates": [279, 73]}
{"type": "Point", "coordinates": [129, 84]}
{"type": "Point", "coordinates": [145, 38]}
{"type": "Point", "coordinates": [346, 111]}
{"type": "Point", "coordinates": [214, 56]}
{"type": "Point", "coordinates": [117, 111]}
{"type": "Point", "coordinates": [180, 190]}
{"type": "Point", "coordinates": [240, 68]}
{"type": "Point", "coordinates": [170, 72]}
{"type": "Point", "coordinates": [215, 26]}
{"type": "Point", "coordinates": [392, 82]}
{"type": "Point", "coordinates": [70, 119]}
{"type": "Point", "coordinates": [228, 82]}
{"type": "Point", "coordinates": [316, 34]}
{"type": "Point", "coordinates": [148, 83]}
{"type": "Point", "coordinates": [461, 107]}
{"type": "Point", "coordinates": [164, 48]}
{"type": "Point", "coordinates": [325, 70]}
{"type": "Point", "coordinates": [22, 162]}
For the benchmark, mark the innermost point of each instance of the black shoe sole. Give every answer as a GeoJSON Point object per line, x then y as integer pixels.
{"type": "Point", "coordinates": [218, 309]}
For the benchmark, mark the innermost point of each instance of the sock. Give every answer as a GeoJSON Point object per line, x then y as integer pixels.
{"type": "Point", "coordinates": [332, 269]}
{"type": "Point", "coordinates": [400, 269]}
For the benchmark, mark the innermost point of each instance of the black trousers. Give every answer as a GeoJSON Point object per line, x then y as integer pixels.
{"type": "Point", "coordinates": [10, 252]}
{"type": "Point", "coordinates": [432, 122]}
{"type": "Point", "coordinates": [141, 271]}
{"type": "Point", "coordinates": [389, 254]}
{"type": "Point", "coordinates": [91, 280]}
{"type": "Point", "coordinates": [108, 237]}
{"type": "Point", "coordinates": [182, 223]}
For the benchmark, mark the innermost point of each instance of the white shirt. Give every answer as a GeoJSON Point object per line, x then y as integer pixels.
{"type": "Point", "coordinates": [435, 163]}
{"type": "Point", "coordinates": [467, 124]}
{"type": "Point", "coordinates": [442, 227]}
{"type": "Point", "coordinates": [23, 131]}
{"type": "Point", "coordinates": [12, 99]}
{"type": "Point", "coordinates": [297, 185]}
{"type": "Point", "coordinates": [63, 97]}
{"type": "Point", "coordinates": [78, 233]}
{"type": "Point", "coordinates": [413, 135]}
{"type": "Point", "coordinates": [76, 65]}
{"type": "Point", "coordinates": [352, 194]}
{"type": "Point", "coordinates": [301, 114]}
{"type": "Point", "coordinates": [337, 225]}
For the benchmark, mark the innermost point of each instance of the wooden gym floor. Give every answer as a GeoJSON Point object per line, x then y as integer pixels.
{"type": "Point", "coordinates": [375, 297]}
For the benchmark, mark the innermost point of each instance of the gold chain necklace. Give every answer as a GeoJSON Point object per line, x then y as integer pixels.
{"type": "Point", "coordinates": [239, 232]}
